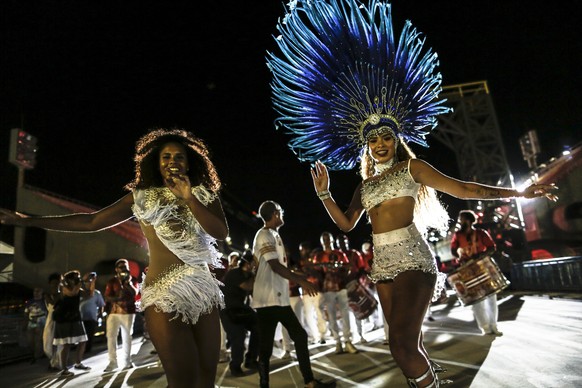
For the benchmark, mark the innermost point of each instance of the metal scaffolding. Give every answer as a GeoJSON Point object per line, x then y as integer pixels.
{"type": "Point", "coordinates": [472, 133]}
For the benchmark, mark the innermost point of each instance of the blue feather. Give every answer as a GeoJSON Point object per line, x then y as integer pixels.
{"type": "Point", "coordinates": [338, 64]}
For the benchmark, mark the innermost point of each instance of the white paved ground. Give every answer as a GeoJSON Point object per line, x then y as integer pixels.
{"type": "Point", "coordinates": [541, 347]}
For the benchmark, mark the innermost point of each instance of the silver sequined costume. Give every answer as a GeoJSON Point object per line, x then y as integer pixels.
{"type": "Point", "coordinates": [389, 185]}
{"type": "Point", "coordinates": [188, 289]}
{"type": "Point", "coordinates": [402, 249]}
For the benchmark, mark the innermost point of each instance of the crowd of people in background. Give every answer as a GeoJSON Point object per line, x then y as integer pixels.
{"type": "Point", "coordinates": [293, 302]}
{"type": "Point", "coordinates": [72, 310]}
{"type": "Point", "coordinates": [323, 304]}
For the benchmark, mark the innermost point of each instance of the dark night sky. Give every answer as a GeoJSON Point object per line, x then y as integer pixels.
{"type": "Point", "coordinates": [88, 80]}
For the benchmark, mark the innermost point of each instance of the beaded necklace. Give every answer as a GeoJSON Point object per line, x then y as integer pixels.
{"type": "Point", "coordinates": [379, 168]}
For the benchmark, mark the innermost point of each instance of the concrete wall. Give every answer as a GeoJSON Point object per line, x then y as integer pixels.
{"type": "Point", "coordinates": [38, 253]}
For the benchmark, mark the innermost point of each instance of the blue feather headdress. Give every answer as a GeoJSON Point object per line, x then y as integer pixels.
{"type": "Point", "coordinates": [341, 76]}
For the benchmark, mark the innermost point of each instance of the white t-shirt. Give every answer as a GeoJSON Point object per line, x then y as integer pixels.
{"type": "Point", "coordinates": [270, 289]}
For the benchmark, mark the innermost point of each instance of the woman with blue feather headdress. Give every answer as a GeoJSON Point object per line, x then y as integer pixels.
{"type": "Point", "coordinates": [348, 91]}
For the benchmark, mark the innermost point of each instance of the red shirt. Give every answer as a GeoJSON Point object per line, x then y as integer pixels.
{"type": "Point", "coordinates": [314, 273]}
{"type": "Point", "coordinates": [335, 265]}
{"type": "Point", "coordinates": [357, 265]}
{"type": "Point", "coordinates": [127, 293]}
{"type": "Point", "coordinates": [477, 242]}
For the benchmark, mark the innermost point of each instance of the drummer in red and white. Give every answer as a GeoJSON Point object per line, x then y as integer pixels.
{"type": "Point", "coordinates": [357, 273]}
{"type": "Point", "coordinates": [313, 304]}
{"type": "Point", "coordinates": [335, 265]}
{"type": "Point", "coordinates": [468, 244]}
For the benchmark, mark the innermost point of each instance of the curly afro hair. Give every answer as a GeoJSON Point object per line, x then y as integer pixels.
{"type": "Point", "coordinates": [147, 150]}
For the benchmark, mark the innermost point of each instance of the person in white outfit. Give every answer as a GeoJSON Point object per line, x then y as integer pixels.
{"type": "Point", "coordinates": [357, 273]}
{"type": "Point", "coordinates": [120, 296]}
{"type": "Point", "coordinates": [271, 297]}
{"type": "Point", "coordinates": [312, 304]}
{"type": "Point", "coordinates": [335, 265]}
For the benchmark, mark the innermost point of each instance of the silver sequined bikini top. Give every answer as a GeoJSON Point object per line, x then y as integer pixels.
{"type": "Point", "coordinates": [395, 184]}
{"type": "Point", "coordinates": [175, 225]}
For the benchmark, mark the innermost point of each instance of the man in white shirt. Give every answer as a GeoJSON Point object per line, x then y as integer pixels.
{"type": "Point", "coordinates": [271, 296]}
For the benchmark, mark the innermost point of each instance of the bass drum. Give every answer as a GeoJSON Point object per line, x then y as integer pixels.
{"type": "Point", "coordinates": [476, 280]}
{"type": "Point", "coordinates": [360, 300]}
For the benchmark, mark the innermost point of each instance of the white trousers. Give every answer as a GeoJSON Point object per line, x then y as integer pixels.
{"type": "Point", "coordinates": [486, 312]}
{"type": "Point", "coordinates": [313, 316]}
{"type": "Point", "coordinates": [123, 322]}
{"type": "Point", "coordinates": [338, 301]}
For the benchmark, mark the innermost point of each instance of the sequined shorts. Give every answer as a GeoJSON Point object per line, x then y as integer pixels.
{"type": "Point", "coordinates": [185, 290]}
{"type": "Point", "coordinates": [403, 250]}
{"type": "Point", "coordinates": [398, 251]}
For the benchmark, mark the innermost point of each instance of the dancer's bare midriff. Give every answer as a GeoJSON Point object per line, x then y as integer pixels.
{"type": "Point", "coordinates": [160, 257]}
{"type": "Point", "coordinates": [392, 214]}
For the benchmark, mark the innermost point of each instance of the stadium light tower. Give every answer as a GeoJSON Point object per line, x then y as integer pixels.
{"type": "Point", "coordinates": [22, 153]}
{"type": "Point", "coordinates": [22, 149]}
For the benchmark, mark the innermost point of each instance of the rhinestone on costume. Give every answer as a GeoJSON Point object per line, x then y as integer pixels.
{"type": "Point", "coordinates": [386, 186]}
{"type": "Point", "coordinates": [374, 119]}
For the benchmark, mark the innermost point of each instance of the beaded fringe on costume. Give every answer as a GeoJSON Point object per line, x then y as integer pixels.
{"type": "Point", "coordinates": [175, 225]}
{"type": "Point", "coordinates": [403, 250]}
{"type": "Point", "coordinates": [188, 291]}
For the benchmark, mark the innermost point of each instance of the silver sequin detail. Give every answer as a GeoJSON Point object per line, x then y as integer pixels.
{"type": "Point", "coordinates": [391, 185]}
{"type": "Point", "coordinates": [404, 250]}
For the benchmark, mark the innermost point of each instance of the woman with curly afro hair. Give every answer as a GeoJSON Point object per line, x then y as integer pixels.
{"type": "Point", "coordinates": [174, 196]}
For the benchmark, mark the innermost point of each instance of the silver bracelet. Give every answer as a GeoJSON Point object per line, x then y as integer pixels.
{"type": "Point", "coordinates": [324, 196]}
{"type": "Point", "coordinates": [323, 193]}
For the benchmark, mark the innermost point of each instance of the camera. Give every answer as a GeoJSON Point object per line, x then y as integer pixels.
{"type": "Point", "coordinates": [124, 275]}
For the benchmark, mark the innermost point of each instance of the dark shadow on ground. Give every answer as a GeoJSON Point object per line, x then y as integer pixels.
{"type": "Point", "coordinates": [510, 308]}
